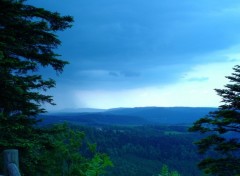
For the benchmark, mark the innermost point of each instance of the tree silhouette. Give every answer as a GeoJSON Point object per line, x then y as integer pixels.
{"type": "Point", "coordinates": [28, 41]}
{"type": "Point", "coordinates": [221, 128]}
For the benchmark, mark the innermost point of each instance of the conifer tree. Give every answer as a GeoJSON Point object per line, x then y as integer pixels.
{"type": "Point", "coordinates": [27, 42]}
{"type": "Point", "coordinates": [222, 130]}
{"type": "Point", "coordinates": [164, 170]}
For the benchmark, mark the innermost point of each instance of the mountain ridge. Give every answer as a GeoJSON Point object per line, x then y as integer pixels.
{"type": "Point", "coordinates": [131, 116]}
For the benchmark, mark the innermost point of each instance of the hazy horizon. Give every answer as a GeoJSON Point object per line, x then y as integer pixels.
{"type": "Point", "coordinates": [101, 110]}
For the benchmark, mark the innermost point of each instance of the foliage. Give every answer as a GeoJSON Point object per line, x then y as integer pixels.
{"type": "Point", "coordinates": [141, 150]}
{"type": "Point", "coordinates": [30, 141]}
{"type": "Point", "coordinates": [222, 127]}
{"type": "Point", "coordinates": [55, 150]}
{"type": "Point", "coordinates": [65, 158]}
{"type": "Point", "coordinates": [165, 171]}
{"type": "Point", "coordinates": [98, 165]}
{"type": "Point", "coordinates": [27, 42]}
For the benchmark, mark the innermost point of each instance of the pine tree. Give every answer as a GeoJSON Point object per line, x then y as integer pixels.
{"type": "Point", "coordinates": [222, 128]}
{"type": "Point", "coordinates": [27, 42]}
{"type": "Point", "coordinates": [164, 170]}
{"type": "Point", "coordinates": [174, 173]}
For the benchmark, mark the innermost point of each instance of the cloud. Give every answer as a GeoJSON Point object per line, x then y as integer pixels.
{"type": "Point", "coordinates": [121, 50]}
{"type": "Point", "coordinates": [131, 77]}
{"type": "Point", "coordinates": [172, 95]}
{"type": "Point", "coordinates": [156, 32]}
{"type": "Point", "coordinates": [199, 92]}
{"type": "Point", "coordinates": [181, 93]}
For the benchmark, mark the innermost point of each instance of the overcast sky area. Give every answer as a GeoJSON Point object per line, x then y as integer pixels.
{"type": "Point", "coordinates": [134, 53]}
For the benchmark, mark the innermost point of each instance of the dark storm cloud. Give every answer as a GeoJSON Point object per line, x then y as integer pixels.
{"type": "Point", "coordinates": [141, 30]}
{"type": "Point", "coordinates": [132, 43]}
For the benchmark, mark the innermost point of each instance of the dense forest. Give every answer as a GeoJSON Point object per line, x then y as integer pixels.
{"type": "Point", "coordinates": [143, 150]}
{"type": "Point", "coordinates": [139, 141]}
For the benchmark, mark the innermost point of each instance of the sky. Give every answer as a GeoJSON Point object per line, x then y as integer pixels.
{"type": "Point", "coordinates": [135, 53]}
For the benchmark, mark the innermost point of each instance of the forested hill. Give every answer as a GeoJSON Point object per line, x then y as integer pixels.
{"type": "Point", "coordinates": [131, 116]}
{"type": "Point", "coordinates": [165, 115]}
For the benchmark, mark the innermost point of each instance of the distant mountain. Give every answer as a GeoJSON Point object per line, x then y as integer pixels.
{"type": "Point", "coordinates": [79, 110]}
{"type": "Point", "coordinates": [131, 116]}
{"type": "Point", "coordinates": [93, 119]}
{"type": "Point", "coordinates": [165, 115]}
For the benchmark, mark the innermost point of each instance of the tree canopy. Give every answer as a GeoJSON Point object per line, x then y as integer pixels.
{"type": "Point", "coordinates": [222, 127]}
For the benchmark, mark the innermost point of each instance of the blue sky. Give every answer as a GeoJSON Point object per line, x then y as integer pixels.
{"type": "Point", "coordinates": [129, 53]}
